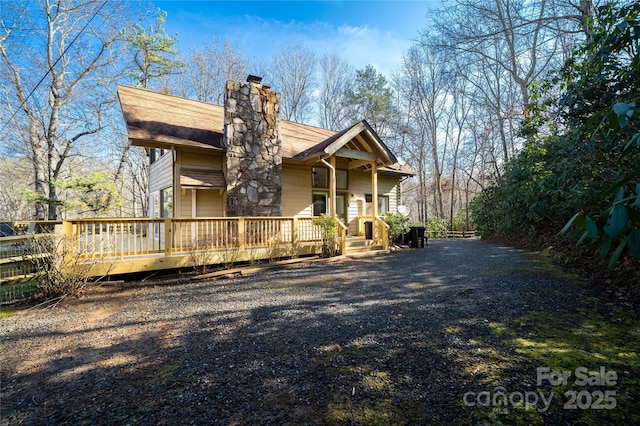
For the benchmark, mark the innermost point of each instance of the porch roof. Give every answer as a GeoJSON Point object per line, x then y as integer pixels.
{"type": "Point", "coordinates": [202, 178]}
{"type": "Point", "coordinates": [157, 120]}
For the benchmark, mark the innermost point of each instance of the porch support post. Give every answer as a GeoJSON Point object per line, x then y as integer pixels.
{"type": "Point", "coordinates": [374, 196]}
{"type": "Point", "coordinates": [331, 164]}
{"type": "Point", "coordinates": [374, 189]}
{"type": "Point", "coordinates": [332, 185]}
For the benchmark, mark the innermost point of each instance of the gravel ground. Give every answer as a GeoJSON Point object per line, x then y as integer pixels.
{"type": "Point", "coordinates": [360, 341]}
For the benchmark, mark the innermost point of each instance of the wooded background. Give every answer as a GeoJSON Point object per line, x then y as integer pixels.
{"type": "Point", "coordinates": [532, 102]}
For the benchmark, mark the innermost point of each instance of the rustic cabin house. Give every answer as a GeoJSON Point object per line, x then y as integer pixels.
{"type": "Point", "coordinates": [235, 183]}
{"type": "Point", "coordinates": [241, 159]}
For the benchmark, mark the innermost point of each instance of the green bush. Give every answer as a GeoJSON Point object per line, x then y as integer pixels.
{"type": "Point", "coordinates": [398, 224]}
{"type": "Point", "coordinates": [437, 228]}
{"type": "Point", "coordinates": [460, 221]}
{"type": "Point", "coordinates": [580, 164]}
{"type": "Point", "coordinates": [329, 225]}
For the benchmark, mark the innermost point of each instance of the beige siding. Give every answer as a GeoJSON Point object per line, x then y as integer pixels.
{"type": "Point", "coordinates": [161, 173]}
{"type": "Point", "coordinates": [388, 185]}
{"type": "Point", "coordinates": [296, 190]}
{"type": "Point", "coordinates": [202, 161]}
{"type": "Point", "coordinates": [210, 203]}
{"type": "Point", "coordinates": [185, 203]}
{"type": "Point", "coordinates": [359, 185]}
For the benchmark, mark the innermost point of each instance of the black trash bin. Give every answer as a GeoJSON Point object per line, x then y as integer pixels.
{"type": "Point", "coordinates": [368, 230]}
{"type": "Point", "coordinates": [404, 238]}
{"type": "Point", "coordinates": [417, 236]}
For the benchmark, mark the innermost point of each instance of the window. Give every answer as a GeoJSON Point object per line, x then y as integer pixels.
{"type": "Point", "coordinates": [383, 202]}
{"type": "Point", "coordinates": [166, 201]}
{"type": "Point", "coordinates": [342, 179]}
{"type": "Point", "coordinates": [320, 177]}
{"type": "Point", "coordinates": [319, 203]}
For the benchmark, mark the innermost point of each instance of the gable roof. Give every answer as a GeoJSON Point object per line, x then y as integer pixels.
{"type": "Point", "coordinates": [157, 120]}
{"type": "Point", "coordinates": [161, 121]}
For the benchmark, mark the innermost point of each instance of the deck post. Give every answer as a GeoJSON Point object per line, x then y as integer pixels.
{"type": "Point", "coordinates": [67, 228]}
{"type": "Point", "coordinates": [343, 240]}
{"type": "Point", "coordinates": [241, 234]}
{"type": "Point", "coordinates": [294, 231]}
{"type": "Point", "coordinates": [168, 240]}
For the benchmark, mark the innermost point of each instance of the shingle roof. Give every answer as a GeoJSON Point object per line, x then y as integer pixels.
{"type": "Point", "coordinates": [159, 120]}
{"type": "Point", "coordinates": [171, 120]}
{"type": "Point", "coordinates": [202, 178]}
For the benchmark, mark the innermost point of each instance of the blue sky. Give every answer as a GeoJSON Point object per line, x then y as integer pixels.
{"type": "Point", "coordinates": [363, 32]}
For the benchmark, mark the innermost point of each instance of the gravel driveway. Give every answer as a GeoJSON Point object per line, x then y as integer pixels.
{"type": "Point", "coordinates": [388, 339]}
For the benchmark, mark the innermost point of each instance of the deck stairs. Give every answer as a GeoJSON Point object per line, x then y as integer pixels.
{"type": "Point", "coordinates": [360, 245]}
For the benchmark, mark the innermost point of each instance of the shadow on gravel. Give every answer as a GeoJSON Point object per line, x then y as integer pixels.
{"type": "Point", "coordinates": [414, 337]}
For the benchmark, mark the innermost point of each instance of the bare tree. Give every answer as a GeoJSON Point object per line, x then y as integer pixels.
{"type": "Point", "coordinates": [515, 43]}
{"type": "Point", "coordinates": [210, 67]}
{"type": "Point", "coordinates": [459, 111]}
{"type": "Point", "coordinates": [56, 81]}
{"type": "Point", "coordinates": [335, 77]}
{"type": "Point", "coordinates": [13, 170]}
{"type": "Point", "coordinates": [293, 73]}
{"type": "Point", "coordinates": [427, 76]}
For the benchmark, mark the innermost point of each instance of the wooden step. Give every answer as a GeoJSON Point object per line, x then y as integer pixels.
{"type": "Point", "coordinates": [360, 245]}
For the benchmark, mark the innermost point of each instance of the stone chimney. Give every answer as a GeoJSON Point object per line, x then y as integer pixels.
{"type": "Point", "coordinates": [254, 161]}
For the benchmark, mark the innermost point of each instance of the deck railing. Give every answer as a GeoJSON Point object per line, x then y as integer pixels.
{"type": "Point", "coordinates": [380, 229]}
{"type": "Point", "coordinates": [122, 245]}
{"type": "Point", "coordinates": [135, 237]}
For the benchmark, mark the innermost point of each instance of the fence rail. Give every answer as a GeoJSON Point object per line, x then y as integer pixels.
{"type": "Point", "coordinates": [461, 234]}
{"type": "Point", "coordinates": [15, 257]}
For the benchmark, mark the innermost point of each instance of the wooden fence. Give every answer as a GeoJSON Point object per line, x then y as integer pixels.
{"type": "Point", "coordinates": [461, 234]}
{"type": "Point", "coordinates": [14, 262]}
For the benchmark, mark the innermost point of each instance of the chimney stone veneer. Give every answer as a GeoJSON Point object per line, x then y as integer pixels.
{"type": "Point", "coordinates": [254, 160]}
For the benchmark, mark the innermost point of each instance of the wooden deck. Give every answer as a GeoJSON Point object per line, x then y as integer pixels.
{"type": "Point", "coordinates": [119, 246]}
